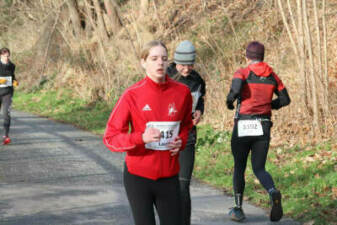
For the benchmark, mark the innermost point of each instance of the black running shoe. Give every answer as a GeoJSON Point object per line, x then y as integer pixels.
{"type": "Point", "coordinates": [237, 214]}
{"type": "Point", "coordinates": [276, 212]}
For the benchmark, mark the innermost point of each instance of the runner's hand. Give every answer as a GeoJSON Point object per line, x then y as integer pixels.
{"type": "Point", "coordinates": [15, 83]}
{"type": "Point", "coordinates": [196, 117]}
{"type": "Point", "coordinates": [175, 145]}
{"type": "Point", "coordinates": [230, 105]}
{"type": "Point", "coordinates": [3, 81]}
{"type": "Point", "coordinates": [151, 135]}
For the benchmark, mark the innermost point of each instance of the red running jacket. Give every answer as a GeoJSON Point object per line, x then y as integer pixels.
{"type": "Point", "coordinates": [143, 102]}
{"type": "Point", "coordinates": [255, 86]}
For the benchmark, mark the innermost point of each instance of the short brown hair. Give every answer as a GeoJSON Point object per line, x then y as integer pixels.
{"type": "Point", "coordinates": [255, 51]}
{"type": "Point", "coordinates": [4, 51]}
{"type": "Point", "coordinates": [146, 48]}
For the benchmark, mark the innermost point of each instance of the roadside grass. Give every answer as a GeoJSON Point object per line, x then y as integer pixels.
{"type": "Point", "coordinates": [306, 176]}
{"type": "Point", "coordinates": [61, 106]}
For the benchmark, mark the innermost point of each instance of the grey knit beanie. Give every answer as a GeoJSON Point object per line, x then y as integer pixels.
{"type": "Point", "coordinates": [185, 53]}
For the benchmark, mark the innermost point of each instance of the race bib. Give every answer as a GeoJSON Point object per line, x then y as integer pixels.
{"type": "Point", "coordinates": [249, 128]}
{"type": "Point", "coordinates": [195, 97]}
{"type": "Point", "coordinates": [8, 82]}
{"type": "Point", "coordinates": [168, 132]}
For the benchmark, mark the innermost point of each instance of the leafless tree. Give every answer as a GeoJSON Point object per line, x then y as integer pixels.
{"type": "Point", "coordinates": [111, 7]}
{"type": "Point", "coordinates": [75, 17]}
{"type": "Point", "coordinates": [310, 58]}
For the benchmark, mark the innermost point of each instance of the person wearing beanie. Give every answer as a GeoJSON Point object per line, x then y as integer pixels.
{"type": "Point", "coordinates": [182, 70]}
{"type": "Point", "coordinates": [7, 82]}
{"type": "Point", "coordinates": [253, 88]}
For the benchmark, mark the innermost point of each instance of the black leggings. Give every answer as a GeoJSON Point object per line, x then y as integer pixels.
{"type": "Point", "coordinates": [145, 193]}
{"type": "Point", "coordinates": [6, 102]}
{"type": "Point", "coordinates": [186, 161]}
{"type": "Point", "coordinates": [259, 146]}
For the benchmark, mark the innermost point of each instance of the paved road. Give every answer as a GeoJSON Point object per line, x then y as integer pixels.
{"type": "Point", "coordinates": [56, 174]}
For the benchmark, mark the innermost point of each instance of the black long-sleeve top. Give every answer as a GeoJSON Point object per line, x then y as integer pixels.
{"type": "Point", "coordinates": [7, 70]}
{"type": "Point", "coordinates": [254, 86]}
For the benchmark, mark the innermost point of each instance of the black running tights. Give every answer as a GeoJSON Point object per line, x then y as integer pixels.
{"type": "Point", "coordinates": [143, 194]}
{"type": "Point", "coordinates": [5, 103]}
{"type": "Point", "coordinates": [186, 161]}
{"type": "Point", "coordinates": [241, 146]}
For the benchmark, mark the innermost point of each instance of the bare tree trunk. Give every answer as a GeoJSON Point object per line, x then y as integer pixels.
{"type": "Point", "coordinates": [112, 11]}
{"type": "Point", "coordinates": [75, 17]}
{"type": "Point", "coordinates": [288, 31]}
{"type": "Point", "coordinates": [89, 15]}
{"type": "Point", "coordinates": [293, 20]}
{"type": "Point", "coordinates": [319, 66]}
{"type": "Point", "coordinates": [100, 22]}
{"type": "Point", "coordinates": [312, 72]}
{"type": "Point", "coordinates": [302, 53]}
{"type": "Point", "coordinates": [326, 76]}
{"type": "Point", "coordinates": [318, 40]}
{"type": "Point", "coordinates": [144, 6]}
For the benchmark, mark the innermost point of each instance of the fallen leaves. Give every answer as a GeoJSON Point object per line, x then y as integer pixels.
{"type": "Point", "coordinates": [334, 192]}
{"type": "Point", "coordinates": [311, 222]}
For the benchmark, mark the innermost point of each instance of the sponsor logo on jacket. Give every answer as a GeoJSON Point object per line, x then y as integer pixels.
{"type": "Point", "coordinates": [172, 110]}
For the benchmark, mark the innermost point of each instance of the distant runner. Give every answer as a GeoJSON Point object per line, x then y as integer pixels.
{"type": "Point", "coordinates": [7, 81]}
{"type": "Point", "coordinates": [151, 122]}
{"type": "Point", "coordinates": [182, 70]}
{"type": "Point", "coordinates": [253, 88]}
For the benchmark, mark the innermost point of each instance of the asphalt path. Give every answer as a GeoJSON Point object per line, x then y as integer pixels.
{"type": "Point", "coordinates": [56, 174]}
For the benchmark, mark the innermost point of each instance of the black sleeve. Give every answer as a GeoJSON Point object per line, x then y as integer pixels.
{"type": "Point", "coordinates": [201, 101]}
{"type": "Point", "coordinates": [171, 70]}
{"type": "Point", "coordinates": [282, 99]}
{"type": "Point", "coordinates": [13, 75]}
{"type": "Point", "coordinates": [234, 92]}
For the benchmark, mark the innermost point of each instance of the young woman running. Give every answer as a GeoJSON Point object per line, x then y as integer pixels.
{"type": "Point", "coordinates": [253, 88]}
{"type": "Point", "coordinates": [151, 122]}
{"type": "Point", "coordinates": [7, 81]}
{"type": "Point", "coordinates": [182, 70]}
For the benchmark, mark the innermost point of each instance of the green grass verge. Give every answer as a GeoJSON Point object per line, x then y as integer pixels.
{"type": "Point", "coordinates": [306, 176]}
{"type": "Point", "coordinates": [63, 107]}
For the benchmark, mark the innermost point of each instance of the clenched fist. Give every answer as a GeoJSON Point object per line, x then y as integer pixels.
{"type": "Point", "coordinates": [15, 83]}
{"type": "Point", "coordinates": [151, 135]}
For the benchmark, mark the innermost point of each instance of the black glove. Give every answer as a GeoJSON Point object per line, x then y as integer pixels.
{"type": "Point", "coordinates": [230, 105]}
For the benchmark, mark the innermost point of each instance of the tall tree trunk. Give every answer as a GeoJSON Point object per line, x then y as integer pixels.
{"type": "Point", "coordinates": [144, 6]}
{"type": "Point", "coordinates": [288, 31]}
{"type": "Point", "coordinates": [312, 72]}
{"type": "Point", "coordinates": [75, 17]}
{"type": "Point", "coordinates": [100, 21]}
{"type": "Point", "coordinates": [89, 15]}
{"type": "Point", "coordinates": [326, 76]}
{"type": "Point", "coordinates": [301, 48]}
{"type": "Point", "coordinates": [112, 11]}
{"type": "Point", "coordinates": [319, 70]}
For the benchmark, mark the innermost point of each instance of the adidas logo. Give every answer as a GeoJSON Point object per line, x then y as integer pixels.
{"type": "Point", "coordinates": [147, 108]}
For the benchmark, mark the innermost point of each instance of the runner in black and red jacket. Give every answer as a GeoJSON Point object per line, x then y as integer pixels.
{"type": "Point", "coordinates": [151, 122]}
{"type": "Point", "coordinates": [7, 81]}
{"type": "Point", "coordinates": [253, 88]}
{"type": "Point", "coordinates": [182, 70]}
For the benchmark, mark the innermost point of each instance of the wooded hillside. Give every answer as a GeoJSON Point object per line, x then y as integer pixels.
{"type": "Point", "coordinates": [92, 47]}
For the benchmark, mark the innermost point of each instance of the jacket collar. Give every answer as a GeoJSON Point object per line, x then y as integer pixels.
{"type": "Point", "coordinates": [158, 86]}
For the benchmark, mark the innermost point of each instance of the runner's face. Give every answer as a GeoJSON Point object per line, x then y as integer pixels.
{"type": "Point", "coordinates": [156, 63]}
{"type": "Point", "coordinates": [184, 70]}
{"type": "Point", "coordinates": [5, 58]}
